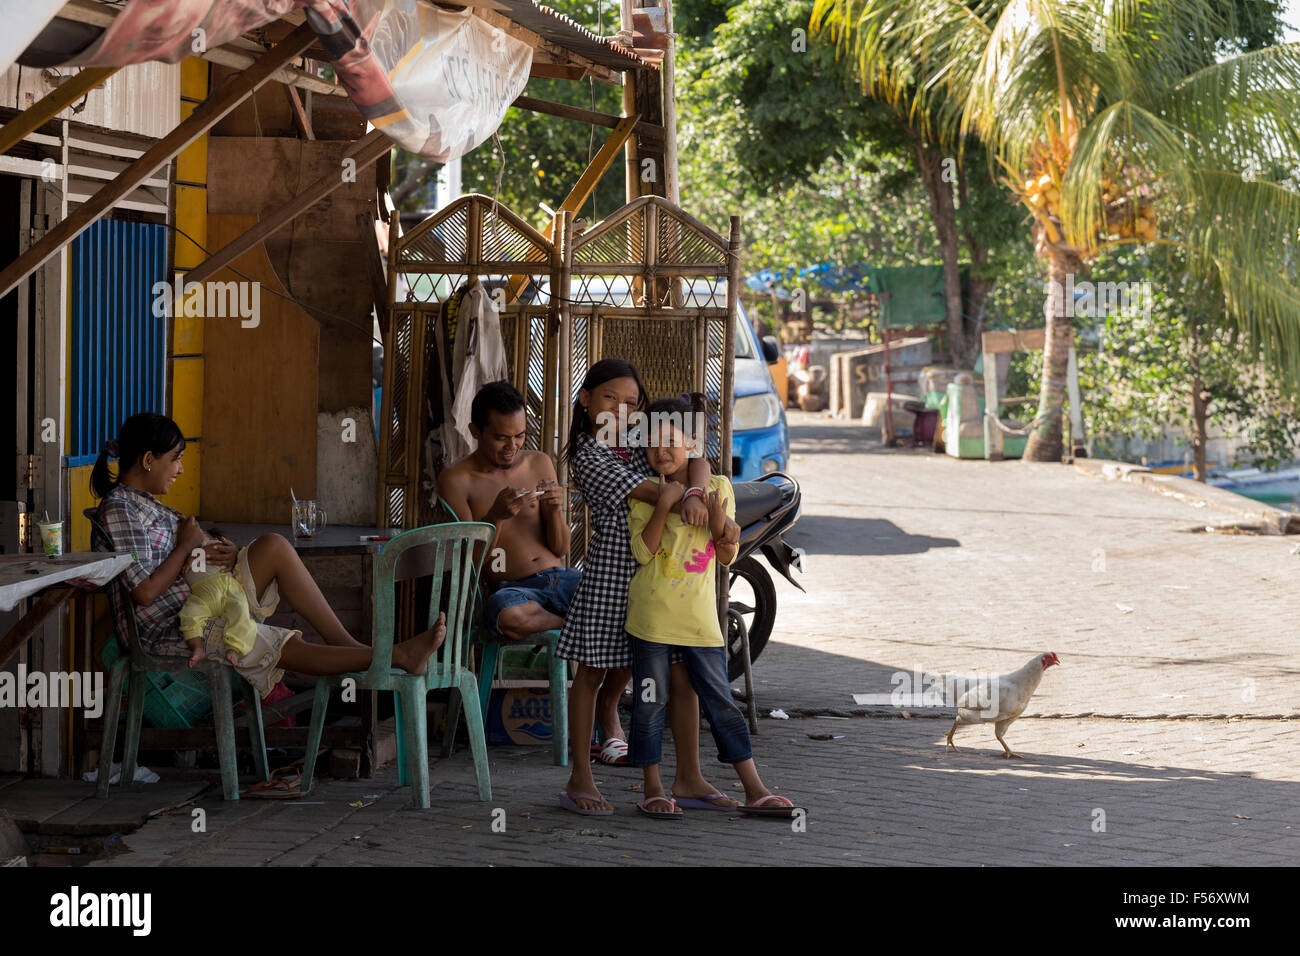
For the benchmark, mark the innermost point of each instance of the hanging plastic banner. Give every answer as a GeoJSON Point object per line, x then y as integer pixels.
{"type": "Point", "coordinates": [437, 82]}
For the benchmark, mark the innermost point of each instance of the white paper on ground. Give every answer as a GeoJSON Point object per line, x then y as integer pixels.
{"type": "Point", "coordinates": [142, 775]}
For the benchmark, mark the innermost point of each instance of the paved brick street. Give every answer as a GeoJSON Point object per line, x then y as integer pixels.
{"type": "Point", "coordinates": [1172, 720]}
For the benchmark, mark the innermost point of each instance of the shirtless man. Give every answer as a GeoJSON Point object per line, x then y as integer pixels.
{"type": "Point", "coordinates": [515, 490]}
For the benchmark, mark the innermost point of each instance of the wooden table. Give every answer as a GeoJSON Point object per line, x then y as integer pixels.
{"type": "Point", "coordinates": [51, 581]}
{"type": "Point", "coordinates": [343, 567]}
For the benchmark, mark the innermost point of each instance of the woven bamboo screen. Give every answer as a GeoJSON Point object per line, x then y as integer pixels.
{"type": "Point", "coordinates": [652, 285]}
{"type": "Point", "coordinates": [472, 238]}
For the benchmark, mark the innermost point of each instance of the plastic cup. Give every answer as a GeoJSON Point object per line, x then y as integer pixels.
{"type": "Point", "coordinates": [52, 537]}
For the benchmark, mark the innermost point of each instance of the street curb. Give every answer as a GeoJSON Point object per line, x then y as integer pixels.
{"type": "Point", "coordinates": [1266, 518]}
{"type": "Point", "coordinates": [948, 713]}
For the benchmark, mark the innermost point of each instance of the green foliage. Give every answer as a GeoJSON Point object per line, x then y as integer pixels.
{"type": "Point", "coordinates": [1166, 92]}
{"type": "Point", "coordinates": [820, 172]}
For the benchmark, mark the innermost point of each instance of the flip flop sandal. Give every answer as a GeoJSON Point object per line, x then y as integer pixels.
{"type": "Point", "coordinates": [285, 784]}
{"type": "Point", "coordinates": [764, 808]}
{"type": "Point", "coordinates": [569, 801]}
{"type": "Point", "coordinates": [705, 803]}
{"type": "Point", "coordinates": [614, 752]}
{"type": "Point", "coordinates": [643, 808]}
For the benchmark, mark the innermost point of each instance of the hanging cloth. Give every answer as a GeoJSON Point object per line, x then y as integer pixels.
{"type": "Point", "coordinates": [479, 358]}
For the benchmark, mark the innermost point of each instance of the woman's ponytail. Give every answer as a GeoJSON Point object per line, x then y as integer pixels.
{"type": "Point", "coordinates": [145, 432]}
{"type": "Point", "coordinates": [102, 482]}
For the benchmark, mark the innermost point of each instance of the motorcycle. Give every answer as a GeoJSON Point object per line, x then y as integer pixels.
{"type": "Point", "coordinates": [765, 510]}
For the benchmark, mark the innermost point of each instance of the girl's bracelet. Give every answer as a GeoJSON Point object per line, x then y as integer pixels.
{"type": "Point", "coordinates": [695, 492]}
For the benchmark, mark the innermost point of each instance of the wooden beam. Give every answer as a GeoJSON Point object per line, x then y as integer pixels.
{"type": "Point", "coordinates": [1015, 340]}
{"type": "Point", "coordinates": [556, 71]}
{"type": "Point", "coordinates": [206, 115]}
{"type": "Point", "coordinates": [647, 131]}
{"type": "Point", "coordinates": [590, 117]}
{"type": "Point", "coordinates": [301, 113]}
{"type": "Point", "coordinates": [599, 165]}
{"type": "Point", "coordinates": [50, 599]}
{"type": "Point", "coordinates": [51, 104]}
{"type": "Point", "coordinates": [364, 151]}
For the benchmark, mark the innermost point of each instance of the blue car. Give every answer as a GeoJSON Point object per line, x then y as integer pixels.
{"type": "Point", "coordinates": [760, 440]}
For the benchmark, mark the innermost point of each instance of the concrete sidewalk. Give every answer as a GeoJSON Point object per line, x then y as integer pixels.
{"type": "Point", "coordinates": [1166, 736]}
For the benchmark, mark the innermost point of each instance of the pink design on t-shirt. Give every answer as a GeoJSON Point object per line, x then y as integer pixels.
{"type": "Point", "coordinates": [699, 562]}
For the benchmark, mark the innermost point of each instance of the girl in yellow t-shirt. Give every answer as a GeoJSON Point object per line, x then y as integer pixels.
{"type": "Point", "coordinates": [672, 605]}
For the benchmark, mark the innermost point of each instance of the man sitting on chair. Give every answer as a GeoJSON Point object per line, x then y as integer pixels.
{"type": "Point", "coordinates": [516, 490]}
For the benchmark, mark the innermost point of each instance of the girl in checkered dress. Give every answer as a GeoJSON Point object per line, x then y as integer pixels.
{"type": "Point", "coordinates": [593, 634]}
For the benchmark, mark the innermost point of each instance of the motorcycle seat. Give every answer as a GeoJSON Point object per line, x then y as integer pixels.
{"type": "Point", "coordinates": [755, 500]}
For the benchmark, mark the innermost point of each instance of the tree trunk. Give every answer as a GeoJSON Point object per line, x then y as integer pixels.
{"type": "Point", "coordinates": [1200, 408]}
{"type": "Point", "coordinates": [1045, 442]}
{"type": "Point", "coordinates": [943, 212]}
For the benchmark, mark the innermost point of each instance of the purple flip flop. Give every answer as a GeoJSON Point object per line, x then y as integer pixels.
{"type": "Point", "coordinates": [705, 803]}
{"type": "Point", "coordinates": [568, 801]}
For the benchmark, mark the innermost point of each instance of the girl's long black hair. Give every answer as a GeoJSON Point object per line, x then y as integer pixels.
{"type": "Point", "coordinates": [603, 371]}
{"type": "Point", "coordinates": [138, 434]}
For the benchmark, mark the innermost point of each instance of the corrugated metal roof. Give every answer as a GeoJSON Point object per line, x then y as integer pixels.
{"type": "Point", "coordinates": [572, 35]}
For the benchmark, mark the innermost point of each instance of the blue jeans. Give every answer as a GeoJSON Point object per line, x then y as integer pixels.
{"type": "Point", "coordinates": [553, 589]}
{"type": "Point", "coordinates": [707, 669]}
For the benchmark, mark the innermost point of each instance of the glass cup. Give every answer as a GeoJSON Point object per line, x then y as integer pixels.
{"type": "Point", "coordinates": [308, 518]}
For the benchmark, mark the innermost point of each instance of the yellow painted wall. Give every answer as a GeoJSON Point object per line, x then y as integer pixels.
{"type": "Point", "coordinates": [79, 499]}
{"type": "Point", "coordinates": [191, 238]}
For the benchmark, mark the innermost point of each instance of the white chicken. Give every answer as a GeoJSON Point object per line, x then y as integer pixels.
{"type": "Point", "coordinates": [1000, 700]}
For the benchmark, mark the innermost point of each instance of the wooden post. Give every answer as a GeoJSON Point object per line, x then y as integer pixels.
{"type": "Point", "coordinates": [630, 80]}
{"type": "Point", "coordinates": [208, 113]}
{"type": "Point", "coordinates": [992, 433]}
{"type": "Point", "coordinates": [669, 81]}
{"type": "Point", "coordinates": [1077, 437]}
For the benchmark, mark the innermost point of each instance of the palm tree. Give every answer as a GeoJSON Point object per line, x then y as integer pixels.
{"type": "Point", "coordinates": [1115, 121]}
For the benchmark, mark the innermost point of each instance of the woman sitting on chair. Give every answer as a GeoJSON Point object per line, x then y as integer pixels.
{"type": "Point", "coordinates": [165, 543]}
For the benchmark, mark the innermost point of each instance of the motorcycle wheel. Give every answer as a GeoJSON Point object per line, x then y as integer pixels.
{"type": "Point", "coordinates": [753, 599]}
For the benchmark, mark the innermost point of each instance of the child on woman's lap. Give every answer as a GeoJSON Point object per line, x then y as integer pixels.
{"type": "Point", "coordinates": [672, 607]}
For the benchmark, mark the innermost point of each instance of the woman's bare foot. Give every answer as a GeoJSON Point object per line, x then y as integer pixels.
{"type": "Point", "coordinates": [232, 658]}
{"type": "Point", "coordinates": [197, 654]}
{"type": "Point", "coordinates": [587, 786]}
{"type": "Point", "coordinates": [698, 788]}
{"type": "Point", "coordinates": [413, 656]}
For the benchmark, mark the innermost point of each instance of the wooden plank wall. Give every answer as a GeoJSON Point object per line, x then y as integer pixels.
{"type": "Point", "coordinates": [259, 398]}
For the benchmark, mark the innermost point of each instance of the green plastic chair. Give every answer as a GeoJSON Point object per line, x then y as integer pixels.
{"type": "Point", "coordinates": [451, 555]}
{"type": "Point", "coordinates": [130, 672]}
{"type": "Point", "coordinates": [558, 673]}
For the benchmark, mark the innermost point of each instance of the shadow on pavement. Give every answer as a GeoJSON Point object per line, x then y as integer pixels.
{"type": "Point", "coordinates": [823, 534]}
